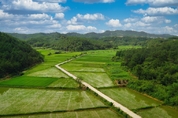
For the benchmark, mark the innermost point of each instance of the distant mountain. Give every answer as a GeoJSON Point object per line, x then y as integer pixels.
{"type": "Point", "coordinates": [35, 35]}
{"type": "Point", "coordinates": [117, 33]}
{"type": "Point", "coordinates": [127, 33]}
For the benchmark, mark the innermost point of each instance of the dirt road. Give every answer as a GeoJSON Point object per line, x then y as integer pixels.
{"type": "Point", "coordinates": [116, 104]}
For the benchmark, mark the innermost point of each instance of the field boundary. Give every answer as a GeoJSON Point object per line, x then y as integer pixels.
{"type": "Point", "coordinates": [115, 104]}
{"type": "Point", "coordinates": [57, 111]}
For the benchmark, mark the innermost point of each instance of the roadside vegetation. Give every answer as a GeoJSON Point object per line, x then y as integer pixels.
{"type": "Point", "coordinates": [156, 68]}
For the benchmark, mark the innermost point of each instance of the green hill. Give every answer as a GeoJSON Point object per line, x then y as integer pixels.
{"type": "Point", "coordinates": [16, 55]}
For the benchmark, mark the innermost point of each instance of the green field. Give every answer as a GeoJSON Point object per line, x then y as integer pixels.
{"type": "Point", "coordinates": [64, 82]}
{"type": "Point", "coordinates": [99, 113]}
{"type": "Point", "coordinates": [27, 81]}
{"type": "Point", "coordinates": [95, 79]}
{"type": "Point", "coordinates": [51, 60]}
{"type": "Point", "coordinates": [50, 72]}
{"type": "Point", "coordinates": [72, 66]}
{"type": "Point", "coordinates": [159, 112]}
{"type": "Point", "coordinates": [129, 98]}
{"type": "Point", "coordinates": [16, 101]}
{"type": "Point", "coordinates": [101, 56]}
{"type": "Point", "coordinates": [116, 72]}
{"type": "Point", "coordinates": [59, 93]}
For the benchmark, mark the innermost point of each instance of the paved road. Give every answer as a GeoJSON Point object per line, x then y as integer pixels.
{"type": "Point", "coordinates": [116, 104]}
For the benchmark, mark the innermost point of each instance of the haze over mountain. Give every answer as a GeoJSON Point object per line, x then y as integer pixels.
{"type": "Point", "coordinates": [116, 33]}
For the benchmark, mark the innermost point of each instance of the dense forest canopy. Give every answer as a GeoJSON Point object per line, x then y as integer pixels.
{"type": "Point", "coordinates": [75, 43]}
{"type": "Point", "coordinates": [16, 55]}
{"type": "Point", "coordinates": [69, 43]}
{"type": "Point", "coordinates": [93, 35]}
{"type": "Point", "coordinates": [156, 67]}
{"type": "Point", "coordinates": [89, 41]}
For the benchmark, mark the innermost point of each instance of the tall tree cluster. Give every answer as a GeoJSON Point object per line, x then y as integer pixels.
{"type": "Point", "coordinates": [16, 55]}
{"type": "Point", "coordinates": [156, 68]}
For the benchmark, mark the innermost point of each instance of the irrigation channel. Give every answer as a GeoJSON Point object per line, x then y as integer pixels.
{"type": "Point", "coordinates": [115, 104]}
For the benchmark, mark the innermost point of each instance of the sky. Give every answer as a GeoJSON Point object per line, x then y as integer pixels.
{"type": "Point", "coordinates": [83, 16]}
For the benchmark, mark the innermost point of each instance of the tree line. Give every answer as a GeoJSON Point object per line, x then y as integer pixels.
{"type": "Point", "coordinates": [156, 67]}
{"type": "Point", "coordinates": [69, 43]}
{"type": "Point", "coordinates": [16, 55]}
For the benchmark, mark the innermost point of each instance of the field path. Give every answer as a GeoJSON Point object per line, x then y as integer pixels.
{"type": "Point", "coordinates": [116, 104]}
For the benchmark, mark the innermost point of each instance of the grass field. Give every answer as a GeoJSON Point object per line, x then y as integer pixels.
{"type": "Point", "coordinates": [98, 56]}
{"type": "Point", "coordinates": [3, 89]}
{"type": "Point", "coordinates": [72, 66]}
{"type": "Point", "coordinates": [16, 101]}
{"type": "Point", "coordinates": [51, 60]}
{"type": "Point", "coordinates": [95, 68]}
{"type": "Point", "coordinates": [99, 113]}
{"type": "Point", "coordinates": [130, 98]}
{"type": "Point", "coordinates": [116, 72]}
{"type": "Point", "coordinates": [159, 112]}
{"type": "Point", "coordinates": [95, 79]}
{"type": "Point", "coordinates": [27, 81]}
{"type": "Point", "coordinates": [64, 82]}
{"type": "Point", "coordinates": [50, 72]}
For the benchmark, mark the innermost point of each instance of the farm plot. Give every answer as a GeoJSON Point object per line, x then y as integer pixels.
{"type": "Point", "coordinates": [97, 113]}
{"type": "Point", "coordinates": [101, 56]}
{"type": "Point", "coordinates": [81, 67]}
{"type": "Point", "coordinates": [129, 98]}
{"type": "Point", "coordinates": [159, 112]}
{"type": "Point", "coordinates": [116, 72]}
{"type": "Point", "coordinates": [27, 81]}
{"type": "Point", "coordinates": [15, 101]}
{"type": "Point", "coordinates": [50, 60]}
{"type": "Point", "coordinates": [50, 72]}
{"type": "Point", "coordinates": [95, 79]}
{"type": "Point", "coordinates": [64, 82]}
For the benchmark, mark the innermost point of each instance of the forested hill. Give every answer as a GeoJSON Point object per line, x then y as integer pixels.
{"type": "Point", "coordinates": [16, 55]}
{"type": "Point", "coordinates": [93, 35]}
{"type": "Point", "coordinates": [69, 43]}
{"type": "Point", "coordinates": [156, 68]}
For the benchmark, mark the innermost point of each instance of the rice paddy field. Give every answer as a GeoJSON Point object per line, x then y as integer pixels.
{"type": "Point", "coordinates": [18, 101]}
{"type": "Point", "coordinates": [100, 113]}
{"type": "Point", "coordinates": [43, 91]}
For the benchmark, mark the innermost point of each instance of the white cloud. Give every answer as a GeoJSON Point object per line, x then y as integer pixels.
{"type": "Point", "coordinates": [30, 5]}
{"type": "Point", "coordinates": [154, 2]}
{"type": "Point", "coordinates": [141, 24]}
{"type": "Point", "coordinates": [167, 21]}
{"type": "Point", "coordinates": [79, 18]}
{"type": "Point", "coordinates": [53, 1]}
{"type": "Point", "coordinates": [72, 21]}
{"type": "Point", "coordinates": [158, 11]}
{"type": "Point", "coordinates": [80, 28]}
{"type": "Point", "coordinates": [96, 16]}
{"type": "Point", "coordinates": [127, 20]}
{"type": "Point", "coordinates": [128, 25]}
{"type": "Point", "coordinates": [149, 19]}
{"type": "Point", "coordinates": [54, 26]}
{"type": "Point", "coordinates": [21, 30]}
{"type": "Point", "coordinates": [95, 1]}
{"type": "Point", "coordinates": [114, 23]}
{"type": "Point", "coordinates": [176, 26]}
{"type": "Point", "coordinates": [59, 15]}
{"type": "Point", "coordinates": [28, 23]}
{"type": "Point", "coordinates": [4, 15]}
{"type": "Point", "coordinates": [39, 16]}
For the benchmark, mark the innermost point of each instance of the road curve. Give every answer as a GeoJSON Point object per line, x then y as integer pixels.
{"type": "Point", "coordinates": [115, 104]}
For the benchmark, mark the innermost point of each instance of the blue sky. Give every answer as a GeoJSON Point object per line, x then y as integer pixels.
{"type": "Point", "coordinates": [83, 16]}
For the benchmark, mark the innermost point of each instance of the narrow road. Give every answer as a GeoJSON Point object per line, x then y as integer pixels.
{"type": "Point", "coordinates": [115, 104]}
